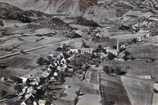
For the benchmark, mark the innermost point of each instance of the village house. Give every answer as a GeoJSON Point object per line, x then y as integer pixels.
{"type": "Point", "coordinates": [110, 50]}
{"type": "Point", "coordinates": [87, 50]}
{"type": "Point", "coordinates": [103, 55]}
{"type": "Point", "coordinates": [74, 51]}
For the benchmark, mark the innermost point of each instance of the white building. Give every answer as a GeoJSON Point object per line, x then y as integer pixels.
{"type": "Point", "coordinates": [73, 51]}
{"type": "Point", "coordinates": [113, 51]}
{"type": "Point", "coordinates": [86, 50]}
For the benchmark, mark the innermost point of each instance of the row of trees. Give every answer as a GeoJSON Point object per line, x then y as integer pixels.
{"type": "Point", "coordinates": [113, 70]}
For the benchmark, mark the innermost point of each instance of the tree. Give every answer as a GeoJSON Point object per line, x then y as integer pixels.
{"type": "Point", "coordinates": [134, 40]}
{"type": "Point", "coordinates": [40, 61]}
{"type": "Point", "coordinates": [115, 47]}
{"type": "Point", "coordinates": [18, 87]}
{"type": "Point", "coordinates": [1, 23]}
{"type": "Point", "coordinates": [106, 69]}
{"type": "Point", "coordinates": [61, 77]}
{"type": "Point", "coordinates": [111, 56]}
{"type": "Point", "coordinates": [117, 71]}
{"type": "Point", "coordinates": [64, 47]}
{"type": "Point", "coordinates": [99, 46]}
{"type": "Point", "coordinates": [126, 55]}
{"type": "Point", "coordinates": [3, 93]}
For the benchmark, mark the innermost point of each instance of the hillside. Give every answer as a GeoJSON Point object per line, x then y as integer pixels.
{"type": "Point", "coordinates": [72, 7]}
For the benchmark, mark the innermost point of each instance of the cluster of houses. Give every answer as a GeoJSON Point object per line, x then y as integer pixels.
{"type": "Point", "coordinates": [100, 52]}
{"type": "Point", "coordinates": [142, 38]}
{"type": "Point", "coordinates": [57, 65]}
{"type": "Point", "coordinates": [31, 90]}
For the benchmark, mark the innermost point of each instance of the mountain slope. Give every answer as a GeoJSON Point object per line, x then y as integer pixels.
{"type": "Point", "coordinates": [71, 7]}
{"type": "Point", "coordinates": [8, 11]}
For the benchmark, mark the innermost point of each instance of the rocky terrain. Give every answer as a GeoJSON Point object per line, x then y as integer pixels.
{"type": "Point", "coordinates": [75, 7]}
{"type": "Point", "coordinates": [78, 52]}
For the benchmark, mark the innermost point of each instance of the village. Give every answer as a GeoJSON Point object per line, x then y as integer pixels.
{"type": "Point", "coordinates": [71, 64]}
{"type": "Point", "coordinates": [86, 52]}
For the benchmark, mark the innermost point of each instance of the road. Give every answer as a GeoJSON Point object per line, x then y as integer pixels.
{"type": "Point", "coordinates": [31, 49]}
